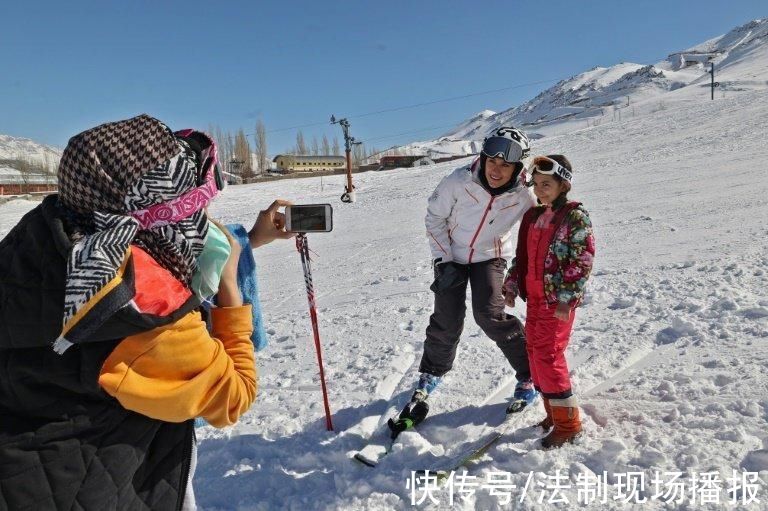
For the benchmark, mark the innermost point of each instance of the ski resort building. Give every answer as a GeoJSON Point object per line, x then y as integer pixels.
{"type": "Point", "coordinates": [286, 163]}
{"type": "Point", "coordinates": [15, 182]}
{"type": "Point", "coordinates": [686, 59]}
{"type": "Point", "coordinates": [393, 162]}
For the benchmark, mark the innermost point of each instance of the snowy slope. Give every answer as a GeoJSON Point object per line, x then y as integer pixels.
{"type": "Point", "coordinates": [671, 344]}
{"type": "Point", "coordinates": [24, 148]}
{"type": "Point", "coordinates": [669, 353]}
{"type": "Point", "coordinates": [606, 94]}
{"type": "Point", "coordinates": [742, 61]}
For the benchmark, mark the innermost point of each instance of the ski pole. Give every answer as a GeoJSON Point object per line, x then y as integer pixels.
{"type": "Point", "coordinates": [303, 247]}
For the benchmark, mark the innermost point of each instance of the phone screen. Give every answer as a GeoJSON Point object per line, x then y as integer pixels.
{"type": "Point", "coordinates": [308, 218]}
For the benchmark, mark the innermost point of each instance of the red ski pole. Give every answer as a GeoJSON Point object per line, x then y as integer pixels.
{"type": "Point", "coordinates": [303, 247]}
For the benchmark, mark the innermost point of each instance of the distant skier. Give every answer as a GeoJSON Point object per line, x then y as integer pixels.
{"type": "Point", "coordinates": [469, 225]}
{"type": "Point", "coordinates": [555, 249]}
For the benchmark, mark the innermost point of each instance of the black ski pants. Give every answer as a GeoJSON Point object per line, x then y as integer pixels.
{"type": "Point", "coordinates": [447, 321]}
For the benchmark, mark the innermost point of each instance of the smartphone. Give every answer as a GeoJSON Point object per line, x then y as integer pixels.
{"type": "Point", "coordinates": [309, 218]}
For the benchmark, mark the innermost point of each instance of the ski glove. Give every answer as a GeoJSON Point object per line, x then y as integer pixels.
{"type": "Point", "coordinates": [510, 286]}
{"type": "Point", "coordinates": [449, 276]}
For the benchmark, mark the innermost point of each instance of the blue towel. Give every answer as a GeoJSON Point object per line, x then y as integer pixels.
{"type": "Point", "coordinates": [249, 290]}
{"type": "Point", "coordinates": [249, 284]}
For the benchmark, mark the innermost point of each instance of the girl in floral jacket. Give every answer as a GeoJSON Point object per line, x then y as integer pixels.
{"type": "Point", "coordinates": [553, 261]}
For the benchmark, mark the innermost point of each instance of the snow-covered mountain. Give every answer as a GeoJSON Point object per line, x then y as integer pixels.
{"type": "Point", "coordinates": [471, 128]}
{"type": "Point", "coordinates": [462, 140]}
{"type": "Point", "coordinates": [741, 57]}
{"type": "Point", "coordinates": [624, 90]}
{"type": "Point", "coordinates": [14, 148]}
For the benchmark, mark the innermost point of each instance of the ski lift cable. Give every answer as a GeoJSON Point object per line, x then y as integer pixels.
{"type": "Point", "coordinates": [412, 132]}
{"type": "Point", "coordinates": [454, 98]}
{"type": "Point", "coordinates": [417, 105]}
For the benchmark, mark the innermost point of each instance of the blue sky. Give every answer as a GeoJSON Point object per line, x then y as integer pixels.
{"type": "Point", "coordinates": [67, 66]}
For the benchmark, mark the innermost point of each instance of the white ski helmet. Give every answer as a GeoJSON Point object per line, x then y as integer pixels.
{"type": "Point", "coordinates": [509, 143]}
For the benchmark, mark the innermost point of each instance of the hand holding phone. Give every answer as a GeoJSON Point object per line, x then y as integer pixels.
{"type": "Point", "coordinates": [270, 225]}
{"type": "Point", "coordinates": [309, 218]}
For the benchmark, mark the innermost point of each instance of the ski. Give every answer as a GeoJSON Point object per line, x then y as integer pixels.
{"type": "Point", "coordinates": [490, 412]}
{"type": "Point", "coordinates": [381, 441]}
{"type": "Point", "coordinates": [385, 435]}
{"type": "Point", "coordinates": [514, 420]}
{"type": "Point", "coordinates": [377, 447]}
{"type": "Point", "coordinates": [442, 468]}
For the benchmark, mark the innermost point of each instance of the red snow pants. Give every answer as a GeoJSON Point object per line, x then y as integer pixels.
{"type": "Point", "coordinates": [546, 336]}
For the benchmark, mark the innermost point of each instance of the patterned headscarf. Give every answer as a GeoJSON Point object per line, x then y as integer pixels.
{"type": "Point", "coordinates": [106, 173]}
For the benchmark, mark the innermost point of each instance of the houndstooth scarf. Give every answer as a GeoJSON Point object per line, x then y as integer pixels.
{"type": "Point", "coordinates": [105, 173]}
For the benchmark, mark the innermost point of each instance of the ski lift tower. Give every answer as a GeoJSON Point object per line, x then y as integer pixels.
{"type": "Point", "coordinates": [713, 83]}
{"type": "Point", "coordinates": [349, 192]}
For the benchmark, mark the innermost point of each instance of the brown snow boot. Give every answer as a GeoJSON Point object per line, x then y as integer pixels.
{"type": "Point", "coordinates": [567, 426]}
{"type": "Point", "coordinates": [547, 423]}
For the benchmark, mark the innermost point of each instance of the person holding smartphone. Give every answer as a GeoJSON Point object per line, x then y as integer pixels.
{"type": "Point", "coordinates": [469, 224]}
{"type": "Point", "coordinates": [106, 358]}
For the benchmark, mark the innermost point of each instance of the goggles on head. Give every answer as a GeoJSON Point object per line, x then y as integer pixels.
{"type": "Point", "coordinates": [207, 155]}
{"type": "Point", "coordinates": [209, 182]}
{"type": "Point", "coordinates": [504, 148]}
{"type": "Point", "coordinates": [550, 167]}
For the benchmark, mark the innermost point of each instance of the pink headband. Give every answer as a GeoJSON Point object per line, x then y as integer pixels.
{"type": "Point", "coordinates": [187, 204]}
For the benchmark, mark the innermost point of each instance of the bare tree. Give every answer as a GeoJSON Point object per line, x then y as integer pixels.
{"type": "Point", "coordinates": [372, 156]}
{"type": "Point", "coordinates": [50, 168]}
{"type": "Point", "coordinates": [229, 145]}
{"type": "Point", "coordinates": [315, 146]}
{"type": "Point", "coordinates": [242, 155]}
{"type": "Point", "coordinates": [26, 171]}
{"type": "Point", "coordinates": [261, 147]}
{"type": "Point", "coordinates": [301, 146]}
{"type": "Point", "coordinates": [226, 146]}
{"type": "Point", "coordinates": [336, 151]}
{"type": "Point", "coordinates": [358, 154]}
{"type": "Point", "coordinates": [326, 146]}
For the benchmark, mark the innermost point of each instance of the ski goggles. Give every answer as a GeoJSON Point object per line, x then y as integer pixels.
{"type": "Point", "coordinates": [550, 167]}
{"type": "Point", "coordinates": [210, 182]}
{"type": "Point", "coordinates": [207, 156]}
{"type": "Point", "coordinates": [504, 148]}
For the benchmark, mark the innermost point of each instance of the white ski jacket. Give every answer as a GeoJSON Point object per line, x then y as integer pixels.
{"type": "Point", "coordinates": [466, 224]}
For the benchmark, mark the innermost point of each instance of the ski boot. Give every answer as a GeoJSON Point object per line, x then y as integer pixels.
{"type": "Point", "coordinates": [417, 408]}
{"type": "Point", "coordinates": [546, 423]}
{"type": "Point", "coordinates": [525, 394]}
{"type": "Point", "coordinates": [567, 424]}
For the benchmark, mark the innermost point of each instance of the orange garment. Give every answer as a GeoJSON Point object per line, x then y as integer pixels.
{"type": "Point", "coordinates": [180, 371]}
{"type": "Point", "coordinates": [157, 290]}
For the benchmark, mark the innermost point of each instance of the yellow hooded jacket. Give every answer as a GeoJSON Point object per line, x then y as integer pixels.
{"type": "Point", "coordinates": [181, 371]}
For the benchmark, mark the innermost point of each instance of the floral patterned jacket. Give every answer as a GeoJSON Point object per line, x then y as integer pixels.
{"type": "Point", "coordinates": [568, 262]}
